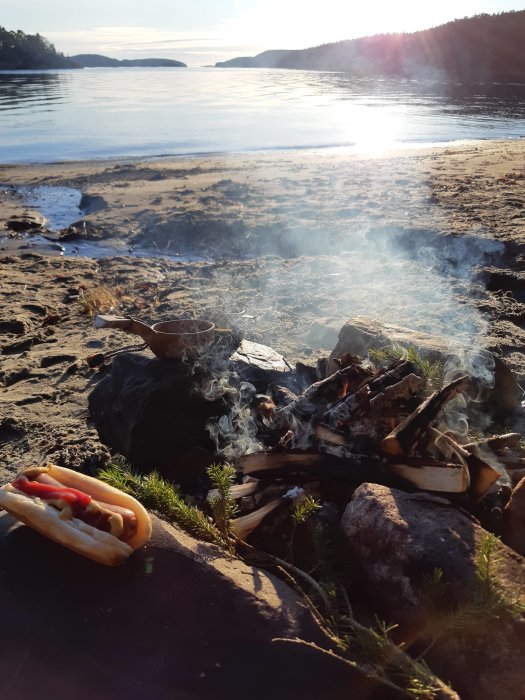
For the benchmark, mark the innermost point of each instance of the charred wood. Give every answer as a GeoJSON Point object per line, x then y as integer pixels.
{"type": "Point", "coordinates": [403, 439]}
{"type": "Point", "coordinates": [406, 389]}
{"type": "Point", "coordinates": [282, 395]}
{"type": "Point", "coordinates": [344, 410]}
{"type": "Point", "coordinates": [308, 466]}
{"type": "Point", "coordinates": [318, 395]}
{"type": "Point", "coordinates": [391, 375]}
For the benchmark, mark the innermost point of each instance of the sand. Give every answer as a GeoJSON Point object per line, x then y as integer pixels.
{"type": "Point", "coordinates": [290, 246]}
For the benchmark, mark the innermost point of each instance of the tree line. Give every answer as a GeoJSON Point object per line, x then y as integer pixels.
{"type": "Point", "coordinates": [474, 49]}
{"type": "Point", "coordinates": [20, 51]}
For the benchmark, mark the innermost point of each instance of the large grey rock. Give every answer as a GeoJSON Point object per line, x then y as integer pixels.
{"type": "Point", "coordinates": [361, 333]}
{"type": "Point", "coordinates": [180, 620]}
{"type": "Point", "coordinates": [258, 364]}
{"type": "Point", "coordinates": [398, 540]}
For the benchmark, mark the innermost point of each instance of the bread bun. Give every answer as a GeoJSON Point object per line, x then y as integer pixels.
{"type": "Point", "coordinates": [74, 533]}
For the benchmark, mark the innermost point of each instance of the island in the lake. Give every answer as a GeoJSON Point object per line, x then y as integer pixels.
{"type": "Point", "coordinates": [94, 60]}
{"type": "Point", "coordinates": [20, 51]}
{"type": "Point", "coordinates": [483, 48]}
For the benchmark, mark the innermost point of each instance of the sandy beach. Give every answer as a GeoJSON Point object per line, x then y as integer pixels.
{"type": "Point", "coordinates": [289, 246]}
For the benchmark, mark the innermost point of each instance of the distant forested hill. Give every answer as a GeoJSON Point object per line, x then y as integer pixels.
{"type": "Point", "coordinates": [20, 51]}
{"type": "Point", "coordinates": [94, 60]}
{"type": "Point", "coordinates": [480, 48]}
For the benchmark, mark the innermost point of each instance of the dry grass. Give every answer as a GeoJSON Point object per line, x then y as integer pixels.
{"type": "Point", "coordinates": [99, 300]}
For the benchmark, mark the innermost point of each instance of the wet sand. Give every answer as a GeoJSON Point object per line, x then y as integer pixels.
{"type": "Point", "coordinates": [292, 245]}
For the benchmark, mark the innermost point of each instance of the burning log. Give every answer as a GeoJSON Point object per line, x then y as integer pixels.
{"type": "Point", "coordinates": [344, 410]}
{"type": "Point", "coordinates": [404, 437]}
{"type": "Point", "coordinates": [318, 395]}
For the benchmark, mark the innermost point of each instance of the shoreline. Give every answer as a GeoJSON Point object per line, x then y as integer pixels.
{"type": "Point", "coordinates": [353, 149]}
{"type": "Point", "coordinates": [325, 237]}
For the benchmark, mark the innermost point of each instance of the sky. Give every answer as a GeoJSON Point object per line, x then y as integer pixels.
{"type": "Point", "coordinates": [202, 32]}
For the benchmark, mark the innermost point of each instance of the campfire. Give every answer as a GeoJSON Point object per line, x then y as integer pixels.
{"type": "Point", "coordinates": [391, 417]}
{"type": "Point", "coordinates": [364, 423]}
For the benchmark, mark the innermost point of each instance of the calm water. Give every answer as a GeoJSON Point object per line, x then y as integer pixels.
{"type": "Point", "coordinates": [97, 113]}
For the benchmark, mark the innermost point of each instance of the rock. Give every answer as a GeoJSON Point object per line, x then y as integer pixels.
{"type": "Point", "coordinates": [28, 221]}
{"type": "Point", "coordinates": [180, 620]}
{"type": "Point", "coordinates": [258, 364]}
{"type": "Point", "coordinates": [361, 333]}
{"type": "Point", "coordinates": [514, 519]}
{"type": "Point", "coordinates": [83, 230]}
{"type": "Point", "coordinates": [151, 411]}
{"type": "Point", "coordinates": [92, 203]}
{"type": "Point", "coordinates": [398, 540]}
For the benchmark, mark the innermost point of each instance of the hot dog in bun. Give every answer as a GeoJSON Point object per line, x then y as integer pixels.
{"type": "Point", "coordinates": [79, 512]}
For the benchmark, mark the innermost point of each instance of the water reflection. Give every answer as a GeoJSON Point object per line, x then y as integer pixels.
{"type": "Point", "coordinates": [97, 113]}
{"type": "Point", "coordinates": [21, 90]}
{"type": "Point", "coordinates": [500, 100]}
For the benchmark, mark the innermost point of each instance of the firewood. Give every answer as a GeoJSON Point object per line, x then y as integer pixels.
{"type": "Point", "coordinates": [335, 437]}
{"type": "Point", "coordinates": [495, 443]}
{"type": "Point", "coordinates": [404, 437]}
{"type": "Point", "coordinates": [430, 475]}
{"type": "Point", "coordinates": [391, 375]}
{"type": "Point", "coordinates": [318, 395]}
{"type": "Point", "coordinates": [282, 395]}
{"type": "Point", "coordinates": [336, 385]}
{"type": "Point", "coordinates": [344, 410]}
{"type": "Point", "coordinates": [246, 524]}
{"type": "Point", "coordinates": [482, 474]}
{"type": "Point", "coordinates": [404, 389]}
{"type": "Point", "coordinates": [301, 467]}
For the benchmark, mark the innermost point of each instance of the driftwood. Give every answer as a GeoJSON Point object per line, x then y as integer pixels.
{"type": "Point", "coordinates": [402, 440]}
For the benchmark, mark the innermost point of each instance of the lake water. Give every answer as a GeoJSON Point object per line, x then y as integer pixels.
{"type": "Point", "coordinates": [115, 112]}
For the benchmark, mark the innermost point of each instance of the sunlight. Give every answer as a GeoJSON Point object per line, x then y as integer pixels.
{"type": "Point", "coordinates": [273, 24]}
